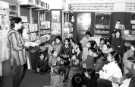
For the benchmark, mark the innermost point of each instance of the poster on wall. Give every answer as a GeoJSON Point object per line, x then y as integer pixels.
{"type": "Point", "coordinates": [83, 23]}
{"type": "Point", "coordinates": [102, 24]}
{"type": "Point", "coordinates": [56, 22]}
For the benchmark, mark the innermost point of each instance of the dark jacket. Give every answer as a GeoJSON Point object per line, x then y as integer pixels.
{"type": "Point", "coordinates": [99, 64]}
{"type": "Point", "coordinates": [66, 51]}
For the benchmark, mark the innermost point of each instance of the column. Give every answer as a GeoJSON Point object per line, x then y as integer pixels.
{"type": "Point", "coordinates": [30, 13]}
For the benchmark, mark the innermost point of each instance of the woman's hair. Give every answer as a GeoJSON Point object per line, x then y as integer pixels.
{"type": "Point", "coordinates": [93, 44]}
{"type": "Point", "coordinates": [93, 50]}
{"type": "Point", "coordinates": [115, 55]}
{"type": "Point", "coordinates": [14, 20]}
{"type": "Point", "coordinates": [80, 47]}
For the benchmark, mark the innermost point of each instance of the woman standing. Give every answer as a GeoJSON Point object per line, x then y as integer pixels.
{"type": "Point", "coordinates": [17, 54]}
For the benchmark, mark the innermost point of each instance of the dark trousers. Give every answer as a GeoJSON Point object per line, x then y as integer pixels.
{"type": "Point", "coordinates": [0, 81]}
{"type": "Point", "coordinates": [104, 83]}
{"type": "Point", "coordinates": [132, 82]}
{"type": "Point", "coordinates": [67, 68]}
{"type": "Point", "coordinates": [7, 81]}
{"type": "Point", "coordinates": [14, 80]}
{"type": "Point", "coordinates": [34, 59]}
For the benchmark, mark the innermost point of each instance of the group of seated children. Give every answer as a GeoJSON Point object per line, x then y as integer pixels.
{"type": "Point", "coordinates": [85, 65]}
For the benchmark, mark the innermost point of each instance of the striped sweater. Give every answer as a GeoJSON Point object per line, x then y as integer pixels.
{"type": "Point", "coordinates": [17, 52]}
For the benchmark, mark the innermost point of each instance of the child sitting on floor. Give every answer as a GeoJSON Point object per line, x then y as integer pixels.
{"type": "Point", "coordinates": [74, 68]}
{"type": "Point", "coordinates": [56, 76]}
{"type": "Point", "coordinates": [43, 63]}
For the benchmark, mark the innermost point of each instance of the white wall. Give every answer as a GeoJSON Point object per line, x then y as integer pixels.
{"type": "Point", "coordinates": [4, 5]}
{"type": "Point", "coordinates": [63, 4]}
{"type": "Point", "coordinates": [55, 4]}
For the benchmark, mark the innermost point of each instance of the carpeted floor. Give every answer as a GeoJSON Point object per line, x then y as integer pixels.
{"type": "Point", "coordinates": [35, 80]}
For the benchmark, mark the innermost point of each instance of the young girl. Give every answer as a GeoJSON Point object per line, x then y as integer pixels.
{"type": "Point", "coordinates": [107, 47]}
{"type": "Point", "coordinates": [101, 44]}
{"type": "Point", "coordinates": [111, 71]}
{"type": "Point", "coordinates": [43, 62]}
{"type": "Point", "coordinates": [56, 77]}
{"type": "Point", "coordinates": [85, 51]}
{"type": "Point", "coordinates": [92, 54]}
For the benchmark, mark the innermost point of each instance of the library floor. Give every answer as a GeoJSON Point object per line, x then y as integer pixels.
{"type": "Point", "coordinates": [35, 80]}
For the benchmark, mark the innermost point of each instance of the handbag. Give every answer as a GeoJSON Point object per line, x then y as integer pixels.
{"type": "Point", "coordinates": [6, 68]}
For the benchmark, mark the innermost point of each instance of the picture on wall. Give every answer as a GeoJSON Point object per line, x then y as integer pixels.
{"type": "Point", "coordinates": [102, 24]}
{"type": "Point", "coordinates": [83, 23]}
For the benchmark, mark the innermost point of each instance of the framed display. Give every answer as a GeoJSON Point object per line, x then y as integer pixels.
{"type": "Point", "coordinates": [83, 21]}
{"type": "Point", "coordinates": [56, 22]}
{"type": "Point", "coordinates": [102, 24]}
